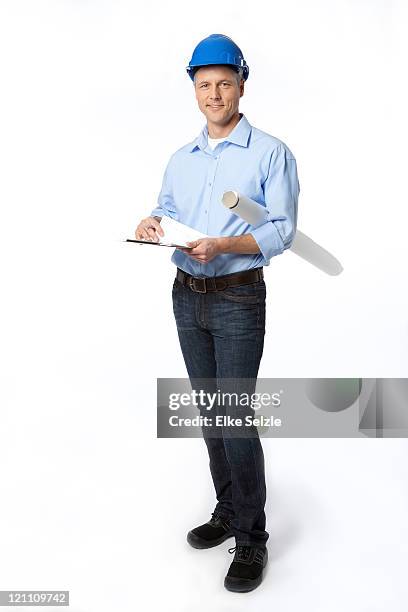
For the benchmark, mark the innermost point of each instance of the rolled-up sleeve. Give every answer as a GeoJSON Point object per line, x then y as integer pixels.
{"type": "Point", "coordinates": [165, 201]}
{"type": "Point", "coordinates": [281, 191]}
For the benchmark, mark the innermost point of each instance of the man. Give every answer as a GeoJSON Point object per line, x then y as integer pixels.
{"type": "Point", "coordinates": [219, 292]}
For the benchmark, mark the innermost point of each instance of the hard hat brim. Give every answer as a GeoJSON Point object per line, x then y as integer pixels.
{"type": "Point", "coordinates": [191, 69]}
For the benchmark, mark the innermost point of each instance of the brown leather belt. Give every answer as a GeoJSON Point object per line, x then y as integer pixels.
{"type": "Point", "coordinates": [218, 283]}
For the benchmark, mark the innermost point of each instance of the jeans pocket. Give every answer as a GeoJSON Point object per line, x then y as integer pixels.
{"type": "Point", "coordinates": [247, 294]}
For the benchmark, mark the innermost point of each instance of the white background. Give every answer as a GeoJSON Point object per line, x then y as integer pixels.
{"type": "Point", "coordinates": [94, 99]}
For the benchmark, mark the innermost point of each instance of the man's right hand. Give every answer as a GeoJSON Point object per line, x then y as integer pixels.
{"type": "Point", "coordinates": [147, 228]}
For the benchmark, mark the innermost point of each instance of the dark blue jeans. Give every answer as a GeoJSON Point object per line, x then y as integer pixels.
{"type": "Point", "coordinates": [221, 336]}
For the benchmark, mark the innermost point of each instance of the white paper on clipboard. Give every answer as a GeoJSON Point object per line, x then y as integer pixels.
{"type": "Point", "coordinates": [178, 233]}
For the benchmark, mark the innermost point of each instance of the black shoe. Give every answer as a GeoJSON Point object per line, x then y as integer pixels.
{"type": "Point", "coordinates": [245, 572]}
{"type": "Point", "coordinates": [210, 534]}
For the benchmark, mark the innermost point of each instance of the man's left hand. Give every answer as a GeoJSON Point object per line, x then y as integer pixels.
{"type": "Point", "coordinates": [204, 249]}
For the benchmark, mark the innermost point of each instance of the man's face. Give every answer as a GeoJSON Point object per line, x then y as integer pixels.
{"type": "Point", "coordinates": [218, 93]}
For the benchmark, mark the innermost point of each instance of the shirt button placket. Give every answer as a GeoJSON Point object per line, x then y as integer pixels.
{"type": "Point", "coordinates": [210, 185]}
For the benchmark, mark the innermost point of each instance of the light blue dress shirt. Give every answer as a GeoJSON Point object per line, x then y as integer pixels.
{"type": "Point", "coordinates": [251, 162]}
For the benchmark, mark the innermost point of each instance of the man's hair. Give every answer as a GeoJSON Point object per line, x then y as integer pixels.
{"type": "Point", "coordinates": [238, 71]}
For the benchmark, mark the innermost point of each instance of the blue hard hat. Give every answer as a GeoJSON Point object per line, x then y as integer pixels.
{"type": "Point", "coordinates": [217, 49]}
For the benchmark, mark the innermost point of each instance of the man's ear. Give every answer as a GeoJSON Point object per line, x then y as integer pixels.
{"type": "Point", "coordinates": [241, 88]}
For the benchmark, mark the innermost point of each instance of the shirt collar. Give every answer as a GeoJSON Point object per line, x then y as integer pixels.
{"type": "Point", "coordinates": [239, 135]}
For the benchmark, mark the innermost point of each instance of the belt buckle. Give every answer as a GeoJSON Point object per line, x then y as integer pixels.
{"type": "Point", "coordinates": [193, 285]}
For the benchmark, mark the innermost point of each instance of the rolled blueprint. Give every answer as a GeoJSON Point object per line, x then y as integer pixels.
{"type": "Point", "coordinates": [303, 246]}
{"type": "Point", "coordinates": [249, 210]}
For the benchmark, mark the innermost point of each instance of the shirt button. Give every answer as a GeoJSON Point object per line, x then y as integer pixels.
{"type": "Point", "coordinates": [210, 184]}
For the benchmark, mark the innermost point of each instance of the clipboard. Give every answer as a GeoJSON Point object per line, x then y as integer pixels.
{"type": "Point", "coordinates": [177, 246]}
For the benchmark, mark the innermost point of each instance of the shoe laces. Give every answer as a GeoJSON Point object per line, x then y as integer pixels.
{"type": "Point", "coordinates": [214, 517]}
{"type": "Point", "coordinates": [242, 552]}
